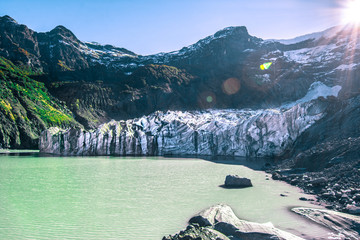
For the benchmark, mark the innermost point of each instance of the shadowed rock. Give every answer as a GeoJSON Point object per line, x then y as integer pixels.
{"type": "Point", "coordinates": [234, 181]}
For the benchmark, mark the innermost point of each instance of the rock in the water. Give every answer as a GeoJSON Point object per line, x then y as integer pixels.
{"type": "Point", "coordinates": [222, 218]}
{"type": "Point", "coordinates": [345, 224]}
{"type": "Point", "coordinates": [305, 199]}
{"type": "Point", "coordinates": [234, 181]}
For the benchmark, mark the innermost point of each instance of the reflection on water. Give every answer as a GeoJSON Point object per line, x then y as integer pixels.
{"type": "Point", "coordinates": [132, 198]}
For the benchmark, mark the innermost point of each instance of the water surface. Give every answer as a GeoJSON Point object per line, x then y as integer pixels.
{"type": "Point", "coordinates": [131, 198]}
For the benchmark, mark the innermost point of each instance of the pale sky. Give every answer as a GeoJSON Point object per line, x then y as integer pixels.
{"type": "Point", "coordinates": [147, 27]}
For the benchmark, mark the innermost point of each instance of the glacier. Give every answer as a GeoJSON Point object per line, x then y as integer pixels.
{"type": "Point", "coordinates": [229, 132]}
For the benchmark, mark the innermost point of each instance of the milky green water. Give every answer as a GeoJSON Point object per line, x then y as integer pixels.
{"type": "Point", "coordinates": [131, 198]}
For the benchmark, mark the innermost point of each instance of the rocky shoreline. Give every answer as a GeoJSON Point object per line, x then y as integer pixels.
{"type": "Point", "coordinates": [336, 187]}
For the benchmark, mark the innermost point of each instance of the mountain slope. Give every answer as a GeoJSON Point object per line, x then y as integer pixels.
{"type": "Point", "coordinates": [26, 108]}
{"type": "Point", "coordinates": [101, 82]}
{"type": "Point", "coordinates": [229, 53]}
{"type": "Point", "coordinates": [149, 88]}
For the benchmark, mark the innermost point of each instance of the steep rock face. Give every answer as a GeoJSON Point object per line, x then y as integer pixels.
{"type": "Point", "coordinates": [158, 87]}
{"type": "Point", "coordinates": [333, 139]}
{"type": "Point", "coordinates": [18, 43]}
{"type": "Point", "coordinates": [90, 103]}
{"type": "Point", "coordinates": [61, 51]}
{"type": "Point", "coordinates": [148, 89]}
{"type": "Point", "coordinates": [216, 132]}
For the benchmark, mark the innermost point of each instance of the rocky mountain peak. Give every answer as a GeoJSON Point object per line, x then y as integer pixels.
{"type": "Point", "coordinates": [7, 19]}
{"type": "Point", "coordinates": [229, 33]}
{"type": "Point", "coordinates": [61, 30]}
{"type": "Point", "coordinates": [18, 43]}
{"type": "Point", "coordinates": [232, 31]}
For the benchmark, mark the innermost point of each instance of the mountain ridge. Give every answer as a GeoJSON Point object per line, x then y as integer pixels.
{"type": "Point", "coordinates": [103, 82]}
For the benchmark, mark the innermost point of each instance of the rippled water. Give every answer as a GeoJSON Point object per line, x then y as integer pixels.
{"type": "Point", "coordinates": [131, 198]}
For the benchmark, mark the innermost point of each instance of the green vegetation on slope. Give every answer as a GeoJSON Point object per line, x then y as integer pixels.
{"type": "Point", "coordinates": [26, 108]}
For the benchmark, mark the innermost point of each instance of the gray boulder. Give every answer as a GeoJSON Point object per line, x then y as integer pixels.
{"type": "Point", "coordinates": [222, 219]}
{"type": "Point", "coordinates": [234, 181]}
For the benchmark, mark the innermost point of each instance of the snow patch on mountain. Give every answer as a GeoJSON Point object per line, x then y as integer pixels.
{"type": "Point", "coordinates": [104, 54]}
{"type": "Point", "coordinates": [113, 52]}
{"type": "Point", "coordinates": [317, 89]}
{"type": "Point", "coordinates": [316, 54]}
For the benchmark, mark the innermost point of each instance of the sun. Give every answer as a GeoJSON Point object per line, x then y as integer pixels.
{"type": "Point", "coordinates": [351, 12]}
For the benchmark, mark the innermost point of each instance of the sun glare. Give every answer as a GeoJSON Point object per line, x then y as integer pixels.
{"type": "Point", "coordinates": [351, 12]}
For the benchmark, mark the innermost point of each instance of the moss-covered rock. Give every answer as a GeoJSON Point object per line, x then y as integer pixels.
{"type": "Point", "coordinates": [195, 232]}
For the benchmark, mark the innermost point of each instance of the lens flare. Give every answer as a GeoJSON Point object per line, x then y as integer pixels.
{"type": "Point", "coordinates": [265, 65]}
{"type": "Point", "coordinates": [207, 99]}
{"type": "Point", "coordinates": [231, 86]}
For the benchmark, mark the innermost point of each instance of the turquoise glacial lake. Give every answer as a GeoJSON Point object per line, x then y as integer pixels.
{"type": "Point", "coordinates": [133, 198]}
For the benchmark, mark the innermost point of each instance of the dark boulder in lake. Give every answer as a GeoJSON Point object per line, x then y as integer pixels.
{"type": "Point", "coordinates": [234, 181]}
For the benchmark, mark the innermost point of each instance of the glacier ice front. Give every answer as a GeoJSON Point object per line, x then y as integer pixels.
{"type": "Point", "coordinates": [261, 133]}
